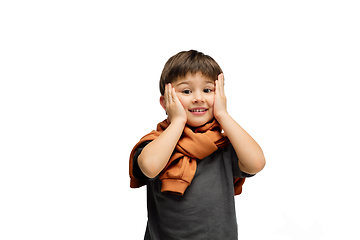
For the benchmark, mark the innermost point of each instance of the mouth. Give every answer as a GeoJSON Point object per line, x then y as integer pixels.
{"type": "Point", "coordinates": [198, 111]}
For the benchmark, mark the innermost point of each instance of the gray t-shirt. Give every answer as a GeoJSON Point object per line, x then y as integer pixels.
{"type": "Point", "coordinates": [207, 208]}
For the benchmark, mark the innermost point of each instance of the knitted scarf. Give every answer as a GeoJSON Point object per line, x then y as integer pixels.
{"type": "Point", "coordinates": [181, 167]}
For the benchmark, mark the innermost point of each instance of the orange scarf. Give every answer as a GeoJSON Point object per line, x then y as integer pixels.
{"type": "Point", "coordinates": [180, 170]}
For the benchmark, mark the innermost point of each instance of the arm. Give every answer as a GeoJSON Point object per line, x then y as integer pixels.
{"type": "Point", "coordinates": [249, 153]}
{"type": "Point", "coordinates": [156, 154]}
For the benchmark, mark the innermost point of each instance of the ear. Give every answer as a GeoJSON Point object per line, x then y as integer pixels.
{"type": "Point", "coordinates": [162, 102]}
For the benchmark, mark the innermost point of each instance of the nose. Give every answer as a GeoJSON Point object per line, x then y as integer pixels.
{"type": "Point", "coordinates": [198, 98]}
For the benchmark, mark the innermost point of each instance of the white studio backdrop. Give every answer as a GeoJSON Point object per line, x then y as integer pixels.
{"type": "Point", "coordinates": [79, 87]}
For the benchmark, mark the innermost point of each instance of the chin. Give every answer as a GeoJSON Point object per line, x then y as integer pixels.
{"type": "Point", "coordinates": [198, 123]}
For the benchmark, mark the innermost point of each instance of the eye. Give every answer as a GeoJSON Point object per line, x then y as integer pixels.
{"type": "Point", "coordinates": [207, 90]}
{"type": "Point", "coordinates": [186, 91]}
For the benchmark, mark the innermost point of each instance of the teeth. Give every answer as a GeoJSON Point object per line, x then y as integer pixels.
{"type": "Point", "coordinates": [198, 110]}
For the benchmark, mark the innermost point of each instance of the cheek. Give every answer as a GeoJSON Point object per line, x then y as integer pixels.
{"type": "Point", "coordinates": [210, 101]}
{"type": "Point", "coordinates": [183, 100]}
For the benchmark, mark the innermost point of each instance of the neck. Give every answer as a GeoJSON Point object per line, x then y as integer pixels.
{"type": "Point", "coordinates": [194, 128]}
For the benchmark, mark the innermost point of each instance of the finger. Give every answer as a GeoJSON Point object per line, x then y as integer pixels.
{"type": "Point", "coordinates": [165, 94]}
{"type": "Point", "coordinates": [216, 87]}
{"type": "Point", "coordinates": [169, 93]}
{"type": "Point", "coordinates": [217, 82]}
{"type": "Point", "coordinates": [221, 83]}
{"type": "Point", "coordinates": [173, 93]}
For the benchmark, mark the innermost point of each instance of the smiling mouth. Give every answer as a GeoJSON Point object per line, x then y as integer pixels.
{"type": "Point", "coordinates": [198, 110]}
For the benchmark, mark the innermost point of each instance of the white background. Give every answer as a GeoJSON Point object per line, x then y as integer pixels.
{"type": "Point", "coordinates": [79, 87]}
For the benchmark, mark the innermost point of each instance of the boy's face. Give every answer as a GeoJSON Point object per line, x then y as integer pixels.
{"type": "Point", "coordinates": [196, 94]}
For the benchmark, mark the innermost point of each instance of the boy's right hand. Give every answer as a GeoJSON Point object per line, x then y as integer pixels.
{"type": "Point", "coordinates": [174, 108]}
{"type": "Point", "coordinates": [155, 156]}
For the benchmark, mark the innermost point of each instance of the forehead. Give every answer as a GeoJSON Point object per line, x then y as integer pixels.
{"type": "Point", "coordinates": [194, 79]}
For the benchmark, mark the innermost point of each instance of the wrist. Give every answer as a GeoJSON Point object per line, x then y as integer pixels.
{"type": "Point", "coordinates": [178, 122]}
{"type": "Point", "coordinates": [221, 116]}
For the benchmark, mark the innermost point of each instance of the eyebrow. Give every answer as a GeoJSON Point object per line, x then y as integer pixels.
{"type": "Point", "coordinates": [210, 81]}
{"type": "Point", "coordinates": [187, 82]}
{"type": "Point", "coordinates": [183, 82]}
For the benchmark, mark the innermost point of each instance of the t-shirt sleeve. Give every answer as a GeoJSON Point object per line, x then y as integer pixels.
{"type": "Point", "coordinates": [235, 165]}
{"type": "Point", "coordinates": [138, 174]}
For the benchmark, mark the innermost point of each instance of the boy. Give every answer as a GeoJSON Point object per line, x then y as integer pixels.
{"type": "Point", "coordinates": [192, 170]}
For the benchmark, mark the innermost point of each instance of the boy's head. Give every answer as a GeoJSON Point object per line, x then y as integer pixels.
{"type": "Point", "coordinates": [188, 62]}
{"type": "Point", "coordinates": [192, 75]}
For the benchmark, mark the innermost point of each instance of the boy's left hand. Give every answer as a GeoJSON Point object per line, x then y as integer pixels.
{"type": "Point", "coordinates": [220, 98]}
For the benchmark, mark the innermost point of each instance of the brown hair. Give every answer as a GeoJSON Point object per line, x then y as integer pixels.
{"type": "Point", "coordinates": [186, 62]}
